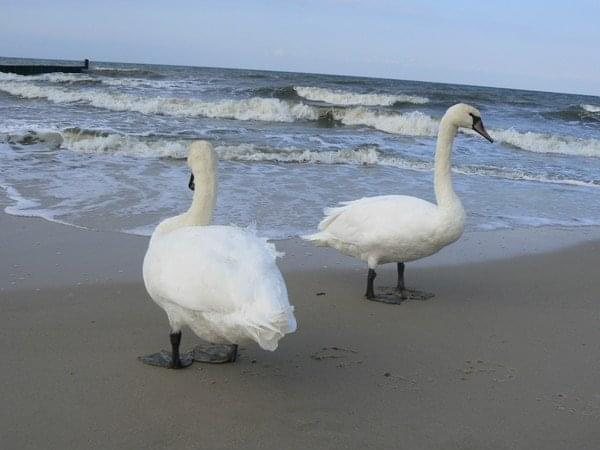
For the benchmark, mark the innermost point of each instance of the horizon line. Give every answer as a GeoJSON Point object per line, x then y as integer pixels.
{"type": "Point", "coordinates": [313, 73]}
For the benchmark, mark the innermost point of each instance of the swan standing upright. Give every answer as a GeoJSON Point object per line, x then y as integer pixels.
{"type": "Point", "coordinates": [399, 228]}
{"type": "Point", "coordinates": [220, 281]}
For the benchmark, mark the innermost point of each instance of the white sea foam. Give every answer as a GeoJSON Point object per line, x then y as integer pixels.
{"type": "Point", "coordinates": [25, 207]}
{"type": "Point", "coordinates": [368, 155]}
{"type": "Point", "coordinates": [264, 109]}
{"type": "Point", "coordinates": [21, 204]}
{"type": "Point", "coordinates": [591, 108]}
{"type": "Point", "coordinates": [249, 152]}
{"type": "Point", "coordinates": [67, 78]}
{"type": "Point", "coordinates": [10, 77]}
{"type": "Point", "coordinates": [124, 144]}
{"type": "Point", "coordinates": [418, 124]}
{"type": "Point", "coordinates": [412, 124]}
{"type": "Point", "coordinates": [274, 110]}
{"type": "Point", "coordinates": [548, 143]}
{"type": "Point", "coordinates": [346, 98]}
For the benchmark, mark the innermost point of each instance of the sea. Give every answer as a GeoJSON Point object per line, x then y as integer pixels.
{"type": "Point", "coordinates": [106, 149]}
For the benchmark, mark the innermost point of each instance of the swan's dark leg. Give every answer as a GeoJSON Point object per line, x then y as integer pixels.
{"type": "Point", "coordinates": [400, 287]}
{"type": "Point", "coordinates": [382, 296]}
{"type": "Point", "coordinates": [168, 360]}
{"type": "Point", "coordinates": [175, 341]}
{"type": "Point", "coordinates": [410, 294]}
{"type": "Point", "coordinates": [370, 294]}
{"type": "Point", "coordinates": [215, 353]}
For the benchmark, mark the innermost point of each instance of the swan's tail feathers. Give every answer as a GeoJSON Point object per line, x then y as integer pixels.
{"type": "Point", "coordinates": [319, 239]}
{"type": "Point", "coordinates": [322, 238]}
{"type": "Point", "coordinates": [268, 332]}
{"type": "Point", "coordinates": [330, 215]}
{"type": "Point", "coordinates": [251, 228]}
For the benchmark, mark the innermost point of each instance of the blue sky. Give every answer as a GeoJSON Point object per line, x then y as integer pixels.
{"type": "Point", "coordinates": [538, 45]}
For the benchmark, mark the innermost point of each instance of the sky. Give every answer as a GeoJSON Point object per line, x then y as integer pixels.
{"type": "Point", "coordinates": [540, 45]}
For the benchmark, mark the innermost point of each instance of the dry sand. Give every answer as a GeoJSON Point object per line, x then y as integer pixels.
{"type": "Point", "coordinates": [506, 356]}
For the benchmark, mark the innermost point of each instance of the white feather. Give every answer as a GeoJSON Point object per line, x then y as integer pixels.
{"type": "Point", "coordinates": [221, 281]}
{"type": "Point", "coordinates": [399, 228]}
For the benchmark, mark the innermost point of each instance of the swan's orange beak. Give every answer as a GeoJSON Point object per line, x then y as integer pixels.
{"type": "Point", "coordinates": [191, 184]}
{"type": "Point", "coordinates": [478, 126]}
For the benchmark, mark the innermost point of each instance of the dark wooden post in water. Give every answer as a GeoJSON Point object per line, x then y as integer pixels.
{"type": "Point", "coordinates": [37, 69]}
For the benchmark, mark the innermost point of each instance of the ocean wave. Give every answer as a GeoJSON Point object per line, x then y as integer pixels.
{"type": "Point", "coordinates": [347, 98]}
{"type": "Point", "coordinates": [109, 142]}
{"type": "Point", "coordinates": [282, 92]}
{"type": "Point", "coordinates": [418, 124]}
{"type": "Point", "coordinates": [548, 143]}
{"type": "Point", "coordinates": [413, 123]}
{"type": "Point", "coordinates": [582, 113]}
{"type": "Point", "coordinates": [250, 152]}
{"type": "Point", "coordinates": [263, 109]}
{"type": "Point", "coordinates": [371, 155]}
{"type": "Point", "coordinates": [255, 108]}
{"type": "Point", "coordinates": [71, 79]}
{"type": "Point", "coordinates": [56, 77]}
{"type": "Point", "coordinates": [591, 108]}
{"type": "Point", "coordinates": [410, 124]}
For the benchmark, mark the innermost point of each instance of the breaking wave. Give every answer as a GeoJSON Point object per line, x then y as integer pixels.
{"type": "Point", "coordinates": [264, 109]}
{"type": "Point", "coordinates": [591, 108]}
{"type": "Point", "coordinates": [283, 93]}
{"type": "Point", "coordinates": [418, 124]}
{"type": "Point", "coordinates": [583, 113]}
{"type": "Point", "coordinates": [411, 124]}
{"type": "Point", "coordinates": [107, 142]}
{"type": "Point", "coordinates": [548, 143]}
{"type": "Point", "coordinates": [70, 79]}
{"type": "Point", "coordinates": [347, 98]}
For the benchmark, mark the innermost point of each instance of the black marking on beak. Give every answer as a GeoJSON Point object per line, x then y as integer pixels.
{"type": "Point", "coordinates": [479, 128]}
{"type": "Point", "coordinates": [191, 184]}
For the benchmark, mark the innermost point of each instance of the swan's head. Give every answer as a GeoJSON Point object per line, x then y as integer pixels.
{"type": "Point", "coordinates": [202, 159]}
{"type": "Point", "coordinates": [465, 116]}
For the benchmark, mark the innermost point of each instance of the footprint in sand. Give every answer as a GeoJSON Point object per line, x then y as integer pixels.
{"type": "Point", "coordinates": [337, 353]}
{"type": "Point", "coordinates": [576, 404]}
{"type": "Point", "coordinates": [496, 371]}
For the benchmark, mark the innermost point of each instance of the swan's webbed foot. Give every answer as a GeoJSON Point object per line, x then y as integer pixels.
{"type": "Point", "coordinates": [383, 296]}
{"type": "Point", "coordinates": [215, 353]}
{"type": "Point", "coordinates": [165, 359]}
{"type": "Point", "coordinates": [391, 298]}
{"type": "Point", "coordinates": [408, 294]}
{"type": "Point", "coordinates": [173, 360]}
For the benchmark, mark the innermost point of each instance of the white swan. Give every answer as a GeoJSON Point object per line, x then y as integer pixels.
{"type": "Point", "coordinates": [399, 228]}
{"type": "Point", "coordinates": [220, 281]}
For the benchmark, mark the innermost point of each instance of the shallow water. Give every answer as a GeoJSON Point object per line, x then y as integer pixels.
{"type": "Point", "coordinates": [106, 149]}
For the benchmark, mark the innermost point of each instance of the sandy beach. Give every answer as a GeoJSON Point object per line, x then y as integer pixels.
{"type": "Point", "coordinates": [506, 356]}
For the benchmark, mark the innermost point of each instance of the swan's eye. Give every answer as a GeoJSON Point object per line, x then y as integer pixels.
{"type": "Point", "coordinates": [476, 119]}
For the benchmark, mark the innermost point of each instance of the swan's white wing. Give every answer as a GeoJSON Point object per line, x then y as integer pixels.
{"type": "Point", "coordinates": [211, 269]}
{"type": "Point", "coordinates": [373, 220]}
{"type": "Point", "coordinates": [223, 282]}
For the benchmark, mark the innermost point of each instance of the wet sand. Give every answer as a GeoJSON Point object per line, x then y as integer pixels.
{"type": "Point", "coordinates": [506, 356]}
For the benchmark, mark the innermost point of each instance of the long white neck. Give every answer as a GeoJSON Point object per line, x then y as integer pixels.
{"type": "Point", "coordinates": [444, 192]}
{"type": "Point", "coordinates": [200, 212]}
{"type": "Point", "coordinates": [203, 202]}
